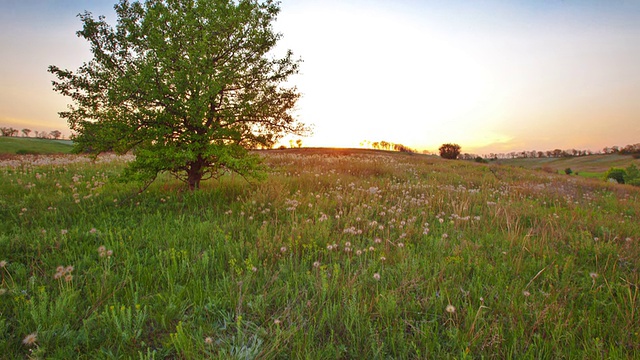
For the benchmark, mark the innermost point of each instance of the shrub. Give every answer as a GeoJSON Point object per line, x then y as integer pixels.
{"type": "Point", "coordinates": [632, 175]}
{"type": "Point", "coordinates": [26, 152]}
{"type": "Point", "coordinates": [568, 171]}
{"type": "Point", "coordinates": [617, 174]}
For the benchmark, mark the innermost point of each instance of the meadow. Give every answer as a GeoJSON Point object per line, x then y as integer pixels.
{"type": "Point", "coordinates": [22, 145]}
{"type": "Point", "coordinates": [338, 254]}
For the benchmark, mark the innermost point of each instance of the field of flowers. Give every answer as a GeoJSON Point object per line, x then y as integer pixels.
{"type": "Point", "coordinates": [339, 254]}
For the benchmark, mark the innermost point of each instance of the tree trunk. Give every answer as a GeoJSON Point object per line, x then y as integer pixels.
{"type": "Point", "coordinates": [194, 175]}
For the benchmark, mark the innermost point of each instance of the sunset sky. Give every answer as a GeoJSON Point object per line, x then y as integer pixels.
{"type": "Point", "coordinates": [492, 76]}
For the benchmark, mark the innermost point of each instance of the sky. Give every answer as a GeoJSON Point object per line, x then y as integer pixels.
{"type": "Point", "coordinates": [489, 75]}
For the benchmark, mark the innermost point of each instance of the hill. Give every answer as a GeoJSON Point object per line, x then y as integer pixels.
{"type": "Point", "coordinates": [590, 166]}
{"type": "Point", "coordinates": [337, 254]}
{"type": "Point", "coordinates": [23, 145]}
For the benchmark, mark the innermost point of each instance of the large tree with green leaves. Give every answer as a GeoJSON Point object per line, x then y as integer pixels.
{"type": "Point", "coordinates": [188, 85]}
{"type": "Point", "coordinates": [449, 151]}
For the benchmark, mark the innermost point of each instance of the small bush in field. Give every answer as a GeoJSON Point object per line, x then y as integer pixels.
{"type": "Point", "coordinates": [616, 174]}
{"type": "Point", "coordinates": [568, 171]}
{"type": "Point", "coordinates": [548, 169]}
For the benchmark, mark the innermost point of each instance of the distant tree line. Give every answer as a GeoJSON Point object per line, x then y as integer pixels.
{"type": "Point", "coordinates": [386, 145]}
{"type": "Point", "coordinates": [633, 149]}
{"type": "Point", "coordinates": [9, 131]}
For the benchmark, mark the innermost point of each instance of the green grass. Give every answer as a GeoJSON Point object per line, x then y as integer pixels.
{"type": "Point", "coordinates": [21, 145]}
{"type": "Point", "coordinates": [337, 255]}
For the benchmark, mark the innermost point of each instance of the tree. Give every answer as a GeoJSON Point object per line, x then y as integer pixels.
{"type": "Point", "coordinates": [26, 132]}
{"type": "Point", "coordinates": [189, 86]}
{"type": "Point", "coordinates": [449, 151]}
{"type": "Point", "coordinates": [9, 131]}
{"type": "Point", "coordinates": [55, 134]}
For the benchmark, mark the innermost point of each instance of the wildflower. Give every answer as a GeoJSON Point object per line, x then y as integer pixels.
{"type": "Point", "coordinates": [359, 252]}
{"type": "Point", "coordinates": [283, 249]}
{"type": "Point", "coordinates": [445, 235]}
{"type": "Point", "coordinates": [109, 253]}
{"type": "Point", "coordinates": [254, 269]}
{"type": "Point", "coordinates": [382, 258]}
{"type": "Point", "coordinates": [277, 321]}
{"type": "Point", "coordinates": [102, 250]}
{"type": "Point", "coordinates": [64, 231]}
{"type": "Point", "coordinates": [68, 277]}
{"type": "Point", "coordinates": [30, 339]}
{"type": "Point", "coordinates": [208, 340]}
{"type": "Point", "coordinates": [329, 247]}
{"type": "Point", "coordinates": [371, 248]}
{"type": "Point", "coordinates": [593, 275]}
{"type": "Point", "coordinates": [60, 269]}
{"type": "Point", "coordinates": [526, 293]}
{"type": "Point", "coordinates": [347, 244]}
{"type": "Point", "coordinates": [401, 245]}
{"type": "Point", "coordinates": [450, 309]}
{"type": "Point", "coordinates": [316, 264]}
{"type": "Point", "coordinates": [376, 276]}
{"type": "Point", "coordinates": [3, 263]}
{"type": "Point", "coordinates": [377, 240]}
{"type": "Point", "coordinates": [68, 269]}
{"type": "Point", "coordinates": [93, 231]}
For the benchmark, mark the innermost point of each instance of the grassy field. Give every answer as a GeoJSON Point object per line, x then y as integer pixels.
{"type": "Point", "coordinates": [21, 145]}
{"type": "Point", "coordinates": [593, 166]}
{"type": "Point", "coordinates": [337, 255]}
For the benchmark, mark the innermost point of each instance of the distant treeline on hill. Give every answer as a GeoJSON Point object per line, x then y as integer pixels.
{"type": "Point", "coordinates": [9, 131]}
{"type": "Point", "coordinates": [557, 153]}
{"type": "Point", "coordinates": [386, 145]}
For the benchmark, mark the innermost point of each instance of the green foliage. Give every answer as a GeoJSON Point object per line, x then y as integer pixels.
{"type": "Point", "coordinates": [188, 86]}
{"type": "Point", "coordinates": [616, 174]}
{"type": "Point", "coordinates": [336, 255]}
{"type": "Point", "coordinates": [568, 171]}
{"type": "Point", "coordinates": [449, 151]}
{"type": "Point", "coordinates": [632, 175]}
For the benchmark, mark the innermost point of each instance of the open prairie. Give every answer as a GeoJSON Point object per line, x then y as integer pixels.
{"type": "Point", "coordinates": [338, 254]}
{"type": "Point", "coordinates": [21, 145]}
